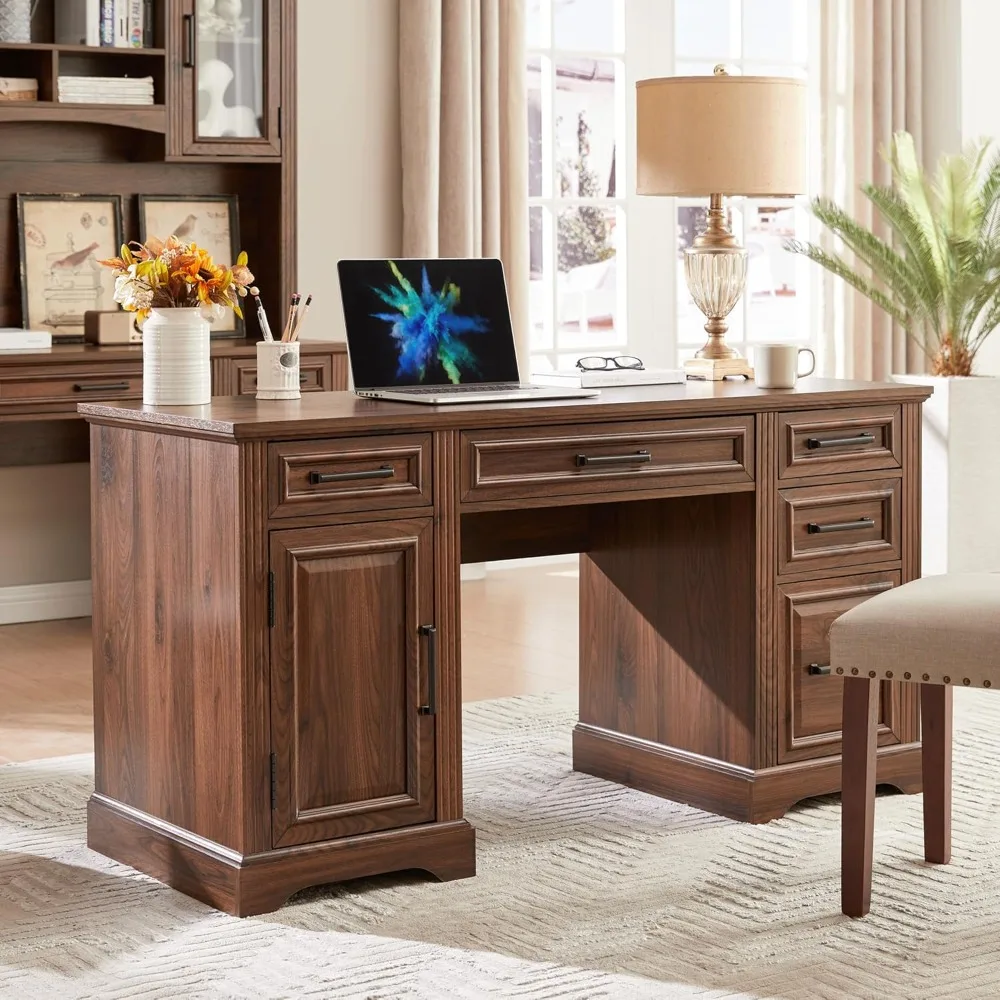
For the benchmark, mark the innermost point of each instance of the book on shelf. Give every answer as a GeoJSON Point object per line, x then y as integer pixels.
{"type": "Point", "coordinates": [117, 23]}
{"type": "Point", "coordinates": [576, 378]}
{"type": "Point", "coordinates": [105, 90]}
{"type": "Point", "coordinates": [107, 22]}
{"type": "Point", "coordinates": [13, 338]}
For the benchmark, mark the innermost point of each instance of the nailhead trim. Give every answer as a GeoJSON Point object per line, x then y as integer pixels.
{"type": "Point", "coordinates": [840, 670]}
{"type": "Point", "coordinates": [907, 675]}
{"type": "Point", "coordinates": [927, 677]}
{"type": "Point", "coordinates": [871, 673]}
{"type": "Point", "coordinates": [888, 673]}
{"type": "Point", "coordinates": [854, 670]}
{"type": "Point", "coordinates": [947, 680]}
{"type": "Point", "coordinates": [966, 682]}
{"type": "Point", "coordinates": [987, 684]}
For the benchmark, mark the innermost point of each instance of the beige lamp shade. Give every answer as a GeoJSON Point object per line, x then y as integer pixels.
{"type": "Point", "coordinates": [699, 135]}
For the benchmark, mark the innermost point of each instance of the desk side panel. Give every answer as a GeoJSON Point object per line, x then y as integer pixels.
{"type": "Point", "coordinates": [166, 627]}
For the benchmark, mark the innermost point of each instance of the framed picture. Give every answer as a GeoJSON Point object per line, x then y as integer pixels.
{"type": "Point", "coordinates": [62, 238]}
{"type": "Point", "coordinates": [212, 221]}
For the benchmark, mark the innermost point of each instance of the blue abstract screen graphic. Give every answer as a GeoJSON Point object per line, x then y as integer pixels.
{"type": "Point", "coordinates": [428, 328]}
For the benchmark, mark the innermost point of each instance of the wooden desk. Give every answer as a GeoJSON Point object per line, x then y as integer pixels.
{"type": "Point", "coordinates": [277, 629]}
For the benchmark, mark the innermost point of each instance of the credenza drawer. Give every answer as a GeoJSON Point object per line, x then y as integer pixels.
{"type": "Point", "coordinates": [347, 474]}
{"type": "Point", "coordinates": [831, 442]}
{"type": "Point", "coordinates": [606, 458]}
{"type": "Point", "coordinates": [844, 524]}
{"type": "Point", "coordinates": [810, 695]}
{"type": "Point", "coordinates": [96, 383]}
{"type": "Point", "coordinates": [315, 375]}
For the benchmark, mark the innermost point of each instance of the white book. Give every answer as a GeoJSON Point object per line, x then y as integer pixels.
{"type": "Point", "coordinates": [575, 378]}
{"type": "Point", "coordinates": [135, 23]}
{"type": "Point", "coordinates": [13, 338]}
{"type": "Point", "coordinates": [78, 22]}
{"type": "Point", "coordinates": [121, 24]}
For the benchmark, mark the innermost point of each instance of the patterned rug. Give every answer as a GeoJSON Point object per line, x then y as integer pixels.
{"type": "Point", "coordinates": [585, 889]}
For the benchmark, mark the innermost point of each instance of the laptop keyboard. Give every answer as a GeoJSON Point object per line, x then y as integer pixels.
{"type": "Point", "coordinates": [429, 390]}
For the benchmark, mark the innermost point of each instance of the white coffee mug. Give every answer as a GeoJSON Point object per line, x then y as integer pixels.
{"type": "Point", "coordinates": [776, 366]}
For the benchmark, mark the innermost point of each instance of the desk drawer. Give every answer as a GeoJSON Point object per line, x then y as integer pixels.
{"type": "Point", "coordinates": [96, 383]}
{"type": "Point", "coordinates": [315, 375]}
{"type": "Point", "coordinates": [832, 527]}
{"type": "Point", "coordinates": [809, 695]}
{"type": "Point", "coordinates": [832, 442]}
{"type": "Point", "coordinates": [347, 474]}
{"type": "Point", "coordinates": [606, 458]}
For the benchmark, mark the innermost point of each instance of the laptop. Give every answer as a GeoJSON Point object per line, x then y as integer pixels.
{"type": "Point", "coordinates": [434, 331]}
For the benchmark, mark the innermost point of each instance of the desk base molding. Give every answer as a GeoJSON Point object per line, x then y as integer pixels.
{"type": "Point", "coordinates": [727, 789]}
{"type": "Point", "coordinates": [246, 885]}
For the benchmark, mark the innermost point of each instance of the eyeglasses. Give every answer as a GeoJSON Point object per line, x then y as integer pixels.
{"type": "Point", "coordinates": [597, 364]}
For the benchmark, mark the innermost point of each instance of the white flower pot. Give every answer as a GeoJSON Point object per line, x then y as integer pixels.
{"type": "Point", "coordinates": [176, 366]}
{"type": "Point", "coordinates": [961, 474]}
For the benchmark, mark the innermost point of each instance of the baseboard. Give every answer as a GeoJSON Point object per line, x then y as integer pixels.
{"type": "Point", "coordinates": [43, 602]}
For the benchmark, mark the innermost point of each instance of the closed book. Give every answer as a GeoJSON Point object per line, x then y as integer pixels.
{"type": "Point", "coordinates": [78, 22]}
{"type": "Point", "coordinates": [577, 379]}
{"type": "Point", "coordinates": [121, 24]}
{"type": "Point", "coordinates": [147, 24]}
{"type": "Point", "coordinates": [135, 20]}
{"type": "Point", "coordinates": [107, 22]}
{"type": "Point", "coordinates": [13, 338]}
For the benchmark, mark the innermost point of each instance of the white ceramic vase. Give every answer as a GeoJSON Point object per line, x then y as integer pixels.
{"type": "Point", "coordinates": [176, 365]}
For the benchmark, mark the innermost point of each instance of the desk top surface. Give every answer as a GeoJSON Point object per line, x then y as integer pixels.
{"type": "Point", "coordinates": [320, 413]}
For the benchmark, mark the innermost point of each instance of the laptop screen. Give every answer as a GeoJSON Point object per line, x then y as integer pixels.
{"type": "Point", "coordinates": [427, 322]}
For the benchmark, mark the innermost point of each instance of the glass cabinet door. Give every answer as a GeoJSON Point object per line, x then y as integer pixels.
{"type": "Point", "coordinates": [231, 64]}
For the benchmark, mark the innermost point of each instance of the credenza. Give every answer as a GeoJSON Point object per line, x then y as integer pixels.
{"type": "Point", "coordinates": [277, 661]}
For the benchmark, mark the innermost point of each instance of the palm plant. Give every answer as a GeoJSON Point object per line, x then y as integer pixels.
{"type": "Point", "coordinates": [939, 277]}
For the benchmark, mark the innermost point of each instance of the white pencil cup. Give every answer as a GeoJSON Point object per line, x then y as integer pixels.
{"type": "Point", "coordinates": [277, 370]}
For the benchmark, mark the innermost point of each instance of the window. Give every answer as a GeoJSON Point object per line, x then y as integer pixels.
{"type": "Point", "coordinates": [607, 270]}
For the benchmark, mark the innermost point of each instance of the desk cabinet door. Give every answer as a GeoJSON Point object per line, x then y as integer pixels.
{"type": "Point", "coordinates": [351, 689]}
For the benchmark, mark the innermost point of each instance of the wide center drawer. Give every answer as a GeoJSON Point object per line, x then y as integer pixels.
{"type": "Point", "coordinates": [606, 458]}
{"type": "Point", "coordinates": [96, 383]}
{"type": "Point", "coordinates": [348, 474]}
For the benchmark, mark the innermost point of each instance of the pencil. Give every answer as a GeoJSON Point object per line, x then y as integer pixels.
{"type": "Point", "coordinates": [293, 305]}
{"type": "Point", "coordinates": [301, 318]}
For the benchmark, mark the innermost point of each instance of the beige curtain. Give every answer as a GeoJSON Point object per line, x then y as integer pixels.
{"type": "Point", "coordinates": [871, 88]}
{"type": "Point", "coordinates": [464, 132]}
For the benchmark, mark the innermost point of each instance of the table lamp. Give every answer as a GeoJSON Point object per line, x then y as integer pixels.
{"type": "Point", "coordinates": [719, 135]}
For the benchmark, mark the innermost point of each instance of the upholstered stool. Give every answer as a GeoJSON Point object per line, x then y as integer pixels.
{"type": "Point", "coordinates": [939, 632]}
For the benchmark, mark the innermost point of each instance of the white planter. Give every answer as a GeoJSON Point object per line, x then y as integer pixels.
{"type": "Point", "coordinates": [176, 365]}
{"type": "Point", "coordinates": [961, 474]}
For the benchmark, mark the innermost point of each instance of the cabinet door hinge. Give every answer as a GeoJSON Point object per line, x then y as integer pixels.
{"type": "Point", "coordinates": [274, 779]}
{"type": "Point", "coordinates": [270, 600]}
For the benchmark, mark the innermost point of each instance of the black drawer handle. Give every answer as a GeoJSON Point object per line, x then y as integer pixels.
{"type": "Point", "coordinates": [302, 379]}
{"type": "Point", "coordinates": [636, 458]}
{"type": "Point", "coordinates": [840, 442]}
{"type": "Point", "coordinates": [188, 41]}
{"type": "Point", "coordinates": [431, 634]}
{"type": "Point", "coordinates": [383, 472]}
{"type": "Point", "coordinates": [862, 522]}
{"type": "Point", "coordinates": [100, 387]}
{"type": "Point", "coordinates": [818, 669]}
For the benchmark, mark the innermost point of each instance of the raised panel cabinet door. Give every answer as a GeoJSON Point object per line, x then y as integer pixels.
{"type": "Point", "coordinates": [352, 679]}
{"type": "Point", "coordinates": [226, 57]}
{"type": "Point", "coordinates": [810, 694]}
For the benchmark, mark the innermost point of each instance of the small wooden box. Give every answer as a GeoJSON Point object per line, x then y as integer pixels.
{"type": "Point", "coordinates": [113, 326]}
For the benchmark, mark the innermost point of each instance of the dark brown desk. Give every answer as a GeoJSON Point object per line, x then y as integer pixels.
{"type": "Point", "coordinates": [277, 652]}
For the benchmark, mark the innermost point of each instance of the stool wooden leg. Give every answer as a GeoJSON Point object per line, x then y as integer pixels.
{"type": "Point", "coordinates": [935, 732]}
{"type": "Point", "coordinates": [858, 794]}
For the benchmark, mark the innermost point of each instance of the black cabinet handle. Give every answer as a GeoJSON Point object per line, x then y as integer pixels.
{"type": "Point", "coordinates": [862, 522]}
{"type": "Point", "coordinates": [189, 41]}
{"type": "Point", "coordinates": [636, 458]}
{"type": "Point", "coordinates": [383, 472]}
{"type": "Point", "coordinates": [818, 669]}
{"type": "Point", "coordinates": [431, 633]}
{"type": "Point", "coordinates": [100, 387]}
{"type": "Point", "coordinates": [840, 442]}
{"type": "Point", "coordinates": [302, 379]}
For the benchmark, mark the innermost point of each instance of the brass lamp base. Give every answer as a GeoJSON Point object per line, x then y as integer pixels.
{"type": "Point", "coordinates": [716, 369]}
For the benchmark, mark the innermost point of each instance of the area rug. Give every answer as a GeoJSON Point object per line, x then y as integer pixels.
{"type": "Point", "coordinates": [585, 889]}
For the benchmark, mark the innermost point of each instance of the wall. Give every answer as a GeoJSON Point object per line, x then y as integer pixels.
{"type": "Point", "coordinates": [349, 206]}
{"type": "Point", "coordinates": [349, 159]}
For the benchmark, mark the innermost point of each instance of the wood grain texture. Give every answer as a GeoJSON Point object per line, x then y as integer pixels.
{"type": "Point", "coordinates": [245, 885]}
{"type": "Point", "coordinates": [911, 542]}
{"type": "Point", "coordinates": [448, 616]}
{"type": "Point", "coordinates": [167, 635]}
{"type": "Point", "coordinates": [348, 674]}
{"type": "Point", "coordinates": [766, 562]}
{"type": "Point", "coordinates": [858, 793]}
{"type": "Point", "coordinates": [936, 723]}
{"type": "Point", "coordinates": [811, 706]}
{"type": "Point", "coordinates": [651, 667]}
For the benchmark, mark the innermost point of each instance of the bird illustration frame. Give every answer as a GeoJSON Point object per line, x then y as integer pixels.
{"type": "Point", "coordinates": [210, 220]}
{"type": "Point", "coordinates": [62, 238]}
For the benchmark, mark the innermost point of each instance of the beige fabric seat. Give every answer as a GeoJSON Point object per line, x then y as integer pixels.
{"type": "Point", "coordinates": [938, 632]}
